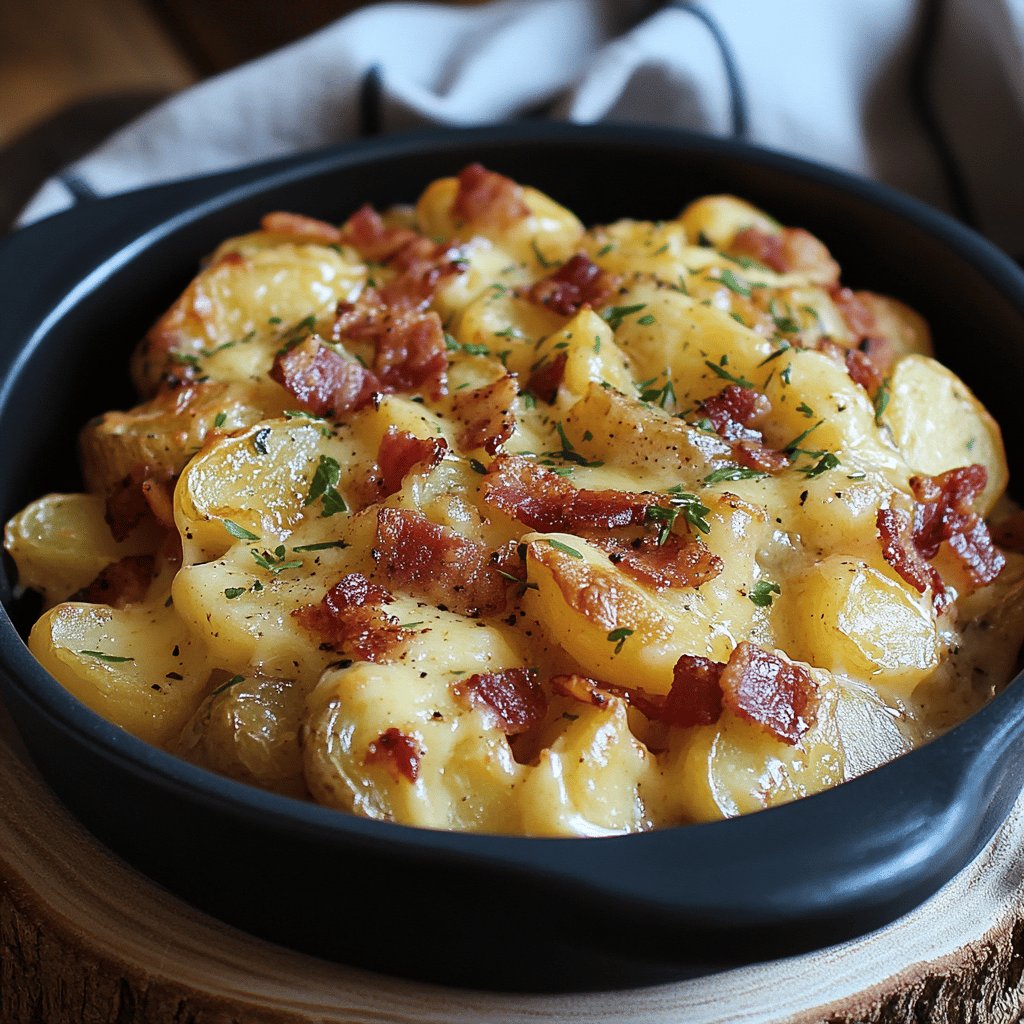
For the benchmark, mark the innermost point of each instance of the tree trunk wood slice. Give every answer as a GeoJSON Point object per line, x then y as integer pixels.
{"type": "Point", "coordinates": [85, 939]}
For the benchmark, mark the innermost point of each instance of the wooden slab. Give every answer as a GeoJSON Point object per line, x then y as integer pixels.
{"type": "Point", "coordinates": [87, 940]}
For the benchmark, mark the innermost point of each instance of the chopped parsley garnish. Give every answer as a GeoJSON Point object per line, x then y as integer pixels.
{"type": "Point", "coordinates": [663, 518]}
{"type": "Point", "coordinates": [322, 545]}
{"type": "Point", "coordinates": [605, 249]}
{"type": "Point", "coordinates": [787, 374]}
{"type": "Point", "coordinates": [411, 625]}
{"type": "Point", "coordinates": [794, 446]}
{"type": "Point", "coordinates": [734, 283]}
{"type": "Point", "coordinates": [275, 562]}
{"type": "Point", "coordinates": [661, 396]}
{"type": "Point", "coordinates": [114, 659]}
{"type": "Point", "coordinates": [725, 473]}
{"type": "Point", "coordinates": [764, 593]}
{"type": "Point", "coordinates": [647, 319]}
{"type": "Point", "coordinates": [541, 259]}
{"type": "Point", "coordinates": [470, 348]}
{"type": "Point", "coordinates": [323, 486]}
{"type": "Point", "coordinates": [783, 322]}
{"type": "Point", "coordinates": [240, 532]}
{"type": "Point", "coordinates": [691, 506]}
{"type": "Point", "coordinates": [783, 348]}
{"type": "Point", "coordinates": [828, 460]}
{"type": "Point", "coordinates": [882, 400]}
{"type": "Point", "coordinates": [722, 372]}
{"type": "Point", "coordinates": [619, 637]}
{"type": "Point", "coordinates": [805, 409]}
{"type": "Point", "coordinates": [219, 420]}
{"type": "Point", "coordinates": [509, 332]}
{"type": "Point", "coordinates": [564, 548]}
{"type": "Point", "coordinates": [233, 681]}
{"type": "Point", "coordinates": [232, 592]}
{"type": "Point", "coordinates": [614, 315]}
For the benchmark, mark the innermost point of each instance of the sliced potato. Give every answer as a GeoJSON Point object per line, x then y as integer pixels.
{"type": "Point", "coordinates": [938, 424]}
{"type": "Point", "coordinates": [139, 667]}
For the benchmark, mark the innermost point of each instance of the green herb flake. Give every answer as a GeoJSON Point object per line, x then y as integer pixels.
{"type": "Point", "coordinates": [614, 315]}
{"type": "Point", "coordinates": [764, 593]}
{"type": "Point", "coordinates": [787, 374]}
{"type": "Point", "coordinates": [114, 659]}
{"type": "Point", "coordinates": [239, 532]}
{"type": "Point", "coordinates": [734, 283]}
{"type": "Point", "coordinates": [781, 350]}
{"type": "Point", "coordinates": [233, 681]}
{"type": "Point", "coordinates": [564, 548]}
{"type": "Point", "coordinates": [323, 486]}
{"type": "Point", "coordinates": [692, 508]}
{"type": "Point", "coordinates": [605, 249]}
{"type": "Point", "coordinates": [219, 420]}
{"type": "Point", "coordinates": [647, 319]}
{"type": "Point", "coordinates": [805, 409]}
{"type": "Point", "coordinates": [232, 592]}
{"type": "Point", "coordinates": [619, 637]}
{"type": "Point", "coordinates": [783, 322]}
{"type": "Point", "coordinates": [882, 400]}
{"type": "Point", "coordinates": [722, 372]}
{"type": "Point", "coordinates": [729, 473]}
{"type": "Point", "coordinates": [541, 259]}
{"type": "Point", "coordinates": [794, 445]}
{"type": "Point", "coordinates": [828, 460]}
{"type": "Point", "coordinates": [663, 518]}
{"type": "Point", "coordinates": [321, 546]}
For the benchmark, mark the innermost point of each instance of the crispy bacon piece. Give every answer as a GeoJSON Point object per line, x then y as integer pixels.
{"type": "Point", "coordinates": [302, 228]}
{"type": "Point", "coordinates": [734, 409]}
{"type": "Point", "coordinates": [399, 451]}
{"type": "Point", "coordinates": [770, 691]}
{"type": "Point", "coordinates": [511, 695]}
{"type": "Point", "coordinates": [545, 381]}
{"type": "Point", "coordinates": [575, 284]}
{"type": "Point", "coordinates": [488, 198]}
{"type": "Point", "coordinates": [857, 314]}
{"type": "Point", "coordinates": [121, 583]}
{"type": "Point", "coordinates": [410, 348]}
{"type": "Point", "coordinates": [733, 413]}
{"type": "Point", "coordinates": [488, 414]}
{"type": "Point", "coordinates": [436, 563]}
{"type": "Point", "coordinates": [895, 528]}
{"type": "Point", "coordinates": [942, 513]}
{"type": "Point", "coordinates": [859, 365]}
{"type": "Point", "coordinates": [398, 751]}
{"type": "Point", "coordinates": [351, 618]}
{"type": "Point", "coordinates": [761, 246]}
{"type": "Point", "coordinates": [696, 694]}
{"type": "Point", "coordinates": [679, 562]}
{"type": "Point", "coordinates": [323, 382]}
{"type": "Point", "coordinates": [793, 250]}
{"type": "Point", "coordinates": [142, 494]}
{"type": "Point", "coordinates": [367, 233]}
{"type": "Point", "coordinates": [545, 501]}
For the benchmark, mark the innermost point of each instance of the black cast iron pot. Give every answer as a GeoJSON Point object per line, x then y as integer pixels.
{"type": "Point", "coordinates": [81, 288]}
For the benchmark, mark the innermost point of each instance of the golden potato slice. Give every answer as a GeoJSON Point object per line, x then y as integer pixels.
{"type": "Point", "coordinates": [248, 729]}
{"type": "Point", "coordinates": [241, 295]}
{"type": "Point", "coordinates": [896, 321]}
{"type": "Point", "coordinates": [586, 783]}
{"type": "Point", "coordinates": [138, 667]}
{"type": "Point", "coordinates": [61, 542]}
{"type": "Point", "coordinates": [848, 617]}
{"type": "Point", "coordinates": [938, 424]}
{"type": "Point", "coordinates": [630, 247]}
{"type": "Point", "coordinates": [459, 771]}
{"type": "Point", "coordinates": [163, 433]}
{"type": "Point", "coordinates": [719, 218]}
{"type": "Point", "coordinates": [736, 767]}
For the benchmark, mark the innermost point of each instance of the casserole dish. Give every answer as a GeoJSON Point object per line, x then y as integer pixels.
{"type": "Point", "coordinates": [84, 286]}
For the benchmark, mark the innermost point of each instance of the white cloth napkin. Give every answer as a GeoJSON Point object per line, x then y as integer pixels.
{"type": "Point", "coordinates": [927, 96]}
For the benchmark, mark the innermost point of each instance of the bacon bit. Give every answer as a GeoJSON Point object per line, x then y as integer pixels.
{"type": "Point", "coordinates": [298, 226]}
{"type": "Point", "coordinates": [732, 413]}
{"type": "Point", "coordinates": [142, 494]}
{"type": "Point", "coordinates": [436, 563]}
{"type": "Point", "coordinates": [858, 364]}
{"type": "Point", "coordinates": [367, 233]}
{"type": "Point", "coordinates": [575, 284]}
{"type": "Point", "coordinates": [398, 751]}
{"type": "Point", "coordinates": [351, 618]}
{"type": "Point", "coordinates": [488, 413]}
{"type": "Point", "coordinates": [545, 381]}
{"type": "Point", "coordinates": [770, 691]}
{"type": "Point", "coordinates": [696, 694]}
{"type": "Point", "coordinates": [679, 562]}
{"type": "Point", "coordinates": [488, 198]}
{"type": "Point", "coordinates": [121, 583]}
{"type": "Point", "coordinates": [895, 529]}
{"type": "Point", "coordinates": [400, 451]}
{"type": "Point", "coordinates": [857, 314]}
{"type": "Point", "coordinates": [323, 382]}
{"type": "Point", "coordinates": [511, 695]}
{"type": "Point", "coordinates": [943, 512]}
{"type": "Point", "coordinates": [734, 409]}
{"type": "Point", "coordinates": [545, 501]}
{"type": "Point", "coordinates": [410, 345]}
{"type": "Point", "coordinates": [761, 246]}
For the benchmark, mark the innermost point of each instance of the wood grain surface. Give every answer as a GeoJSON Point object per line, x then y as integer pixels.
{"type": "Point", "coordinates": [85, 939]}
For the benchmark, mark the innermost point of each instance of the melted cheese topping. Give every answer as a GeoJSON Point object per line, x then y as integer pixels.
{"type": "Point", "coordinates": [389, 716]}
